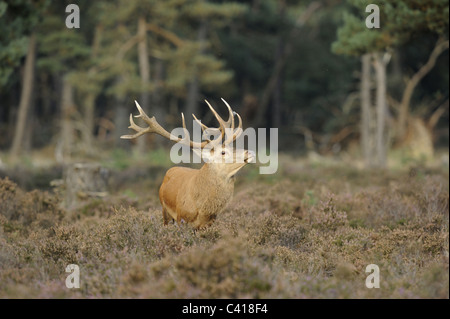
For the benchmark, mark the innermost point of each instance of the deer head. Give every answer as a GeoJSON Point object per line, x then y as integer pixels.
{"type": "Point", "coordinates": [196, 196]}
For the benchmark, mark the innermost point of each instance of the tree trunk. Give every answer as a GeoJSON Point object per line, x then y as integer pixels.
{"type": "Point", "coordinates": [83, 181]}
{"type": "Point", "coordinates": [90, 97]}
{"type": "Point", "coordinates": [27, 142]}
{"type": "Point", "coordinates": [121, 119]}
{"type": "Point", "coordinates": [381, 105]}
{"type": "Point", "coordinates": [144, 71]}
{"type": "Point", "coordinates": [158, 110]}
{"type": "Point", "coordinates": [25, 98]}
{"type": "Point", "coordinates": [366, 111]}
{"type": "Point", "coordinates": [89, 120]}
{"type": "Point", "coordinates": [67, 129]}
{"type": "Point", "coordinates": [403, 116]}
{"type": "Point", "coordinates": [194, 86]}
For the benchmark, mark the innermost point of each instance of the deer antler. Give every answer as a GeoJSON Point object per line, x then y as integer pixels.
{"type": "Point", "coordinates": [224, 127]}
{"type": "Point", "coordinates": [154, 127]}
{"type": "Point", "coordinates": [234, 133]}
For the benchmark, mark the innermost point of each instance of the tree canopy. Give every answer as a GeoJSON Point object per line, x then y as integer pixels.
{"type": "Point", "coordinates": [288, 64]}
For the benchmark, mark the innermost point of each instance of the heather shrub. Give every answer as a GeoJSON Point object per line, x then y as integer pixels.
{"type": "Point", "coordinates": [308, 232]}
{"type": "Point", "coordinates": [228, 269]}
{"type": "Point", "coordinates": [142, 232]}
{"type": "Point", "coordinates": [326, 217]}
{"type": "Point", "coordinates": [270, 229]}
{"type": "Point", "coordinates": [26, 210]}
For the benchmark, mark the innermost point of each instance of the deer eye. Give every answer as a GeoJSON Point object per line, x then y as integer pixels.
{"type": "Point", "coordinates": [223, 153]}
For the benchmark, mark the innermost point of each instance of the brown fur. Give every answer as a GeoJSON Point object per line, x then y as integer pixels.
{"type": "Point", "coordinates": [196, 196]}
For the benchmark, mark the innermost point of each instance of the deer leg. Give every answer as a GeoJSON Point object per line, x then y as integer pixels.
{"type": "Point", "coordinates": [166, 217]}
{"type": "Point", "coordinates": [203, 221]}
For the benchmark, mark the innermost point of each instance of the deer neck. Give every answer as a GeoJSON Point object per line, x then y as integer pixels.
{"type": "Point", "coordinates": [212, 191]}
{"type": "Point", "coordinates": [212, 179]}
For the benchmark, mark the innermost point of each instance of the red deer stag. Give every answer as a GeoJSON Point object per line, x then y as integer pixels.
{"type": "Point", "coordinates": [196, 196]}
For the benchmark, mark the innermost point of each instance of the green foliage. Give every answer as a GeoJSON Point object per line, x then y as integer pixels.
{"type": "Point", "coordinates": [310, 199]}
{"type": "Point", "coordinates": [399, 22]}
{"type": "Point", "coordinates": [158, 157]}
{"type": "Point", "coordinates": [18, 19]}
{"type": "Point", "coordinates": [234, 56]}
{"type": "Point", "coordinates": [218, 13]}
{"type": "Point", "coordinates": [250, 46]}
{"type": "Point", "coordinates": [355, 39]}
{"type": "Point", "coordinates": [62, 48]}
{"type": "Point", "coordinates": [120, 159]}
{"type": "Point", "coordinates": [10, 57]}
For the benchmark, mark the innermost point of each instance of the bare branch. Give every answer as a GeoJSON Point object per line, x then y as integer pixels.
{"type": "Point", "coordinates": [441, 46]}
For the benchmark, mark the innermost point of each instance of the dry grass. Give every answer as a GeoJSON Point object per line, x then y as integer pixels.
{"type": "Point", "coordinates": [308, 232]}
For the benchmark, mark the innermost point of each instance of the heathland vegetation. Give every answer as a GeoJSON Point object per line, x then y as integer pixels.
{"type": "Point", "coordinates": [307, 232]}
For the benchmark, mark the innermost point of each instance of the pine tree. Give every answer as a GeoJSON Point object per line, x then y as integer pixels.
{"type": "Point", "coordinates": [400, 20]}
{"type": "Point", "coordinates": [17, 22]}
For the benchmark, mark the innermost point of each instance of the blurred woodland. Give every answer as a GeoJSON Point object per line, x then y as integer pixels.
{"type": "Point", "coordinates": [310, 68]}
